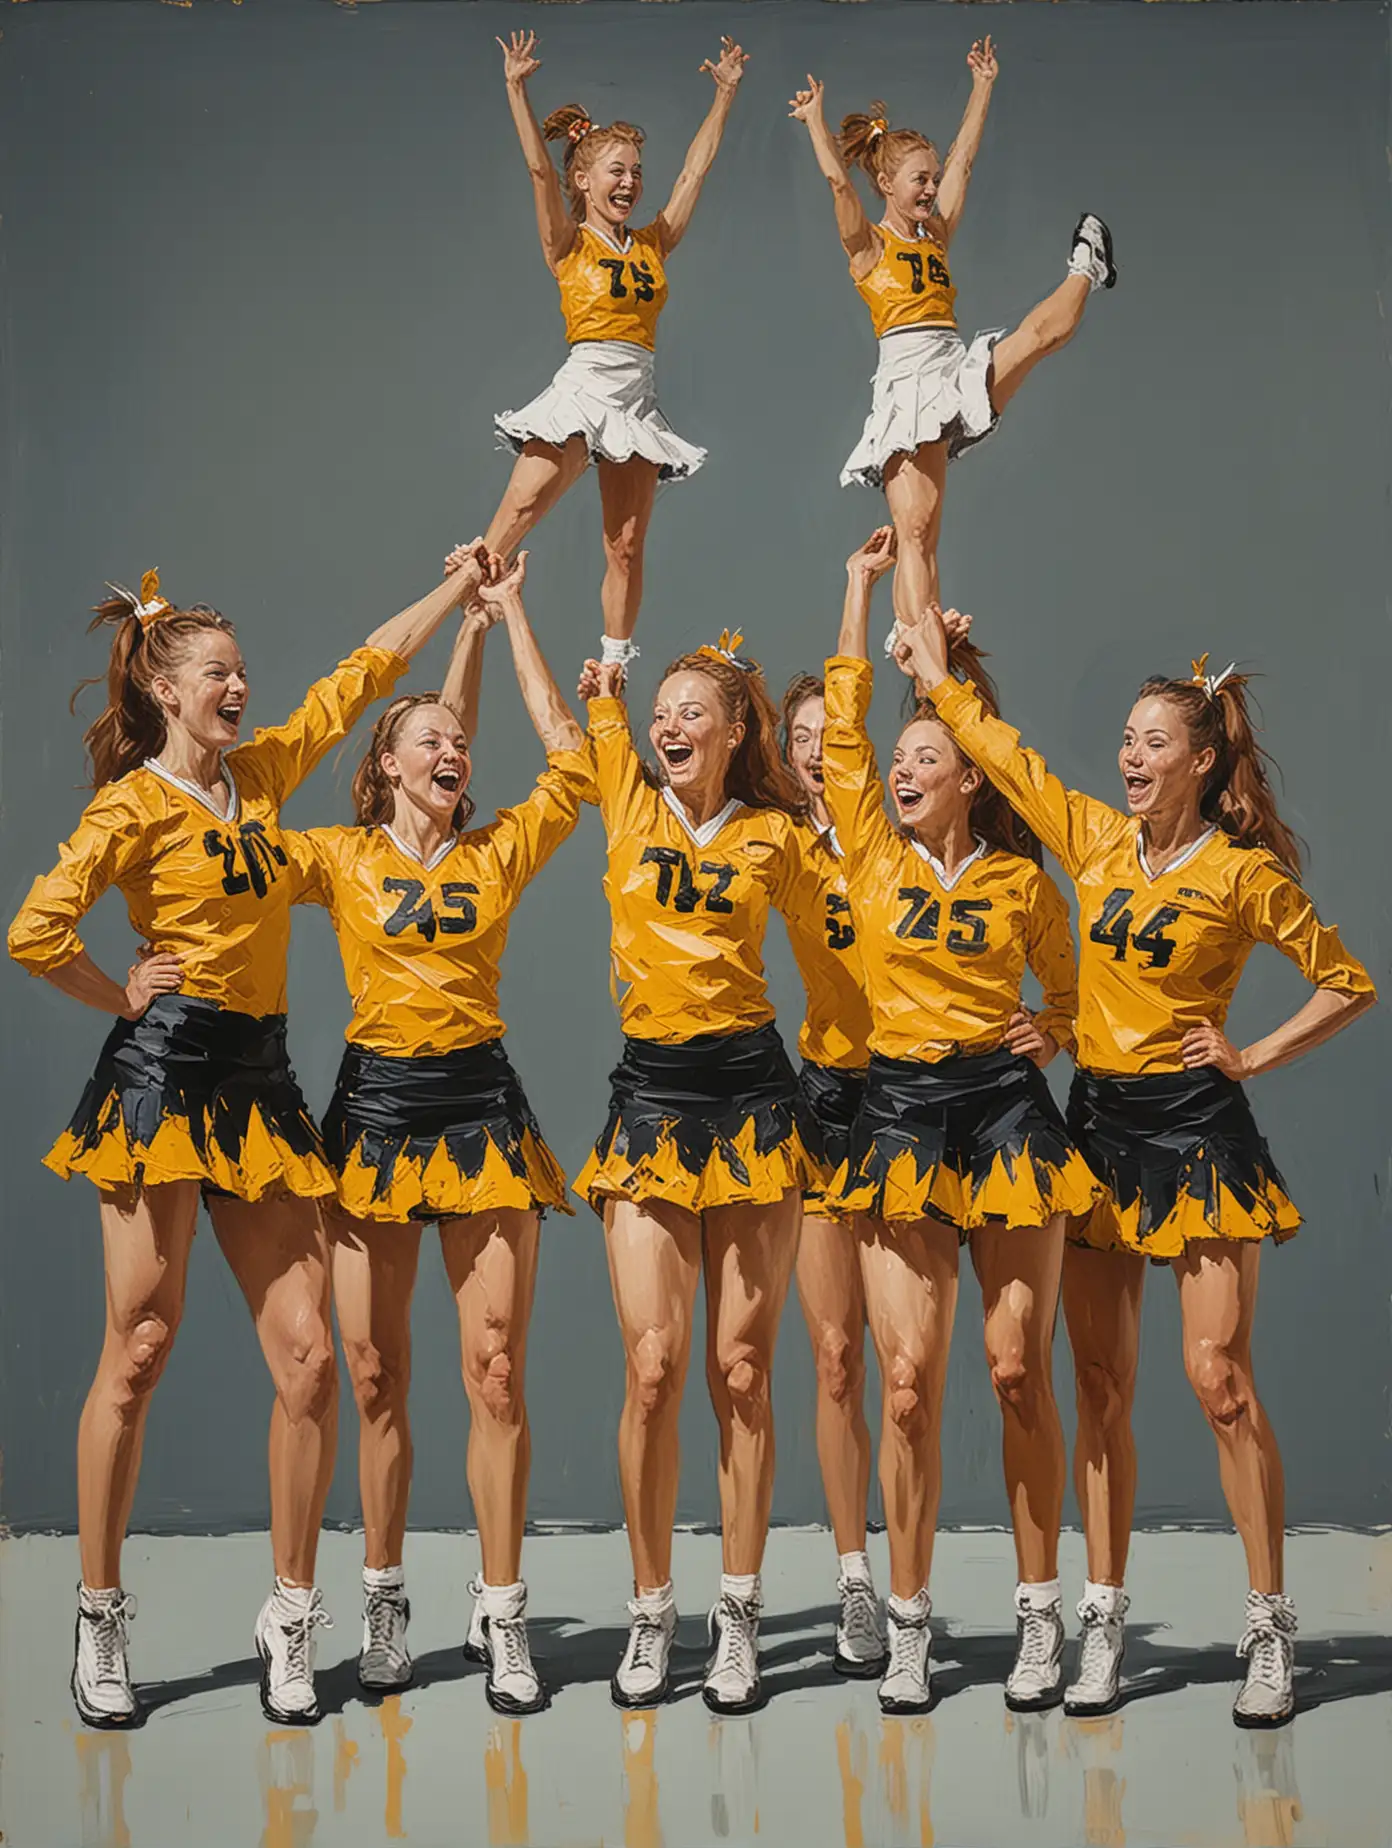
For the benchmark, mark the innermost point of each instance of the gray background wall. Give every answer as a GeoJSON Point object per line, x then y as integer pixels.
{"type": "Point", "coordinates": [267, 272]}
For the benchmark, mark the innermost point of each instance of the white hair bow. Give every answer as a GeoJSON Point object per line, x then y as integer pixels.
{"type": "Point", "coordinates": [1211, 682]}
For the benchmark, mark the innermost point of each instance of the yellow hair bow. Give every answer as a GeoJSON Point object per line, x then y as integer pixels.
{"type": "Point", "coordinates": [878, 127]}
{"type": "Point", "coordinates": [579, 129]}
{"type": "Point", "coordinates": [726, 650]}
{"type": "Point", "coordinates": [149, 606]}
{"type": "Point", "coordinates": [1210, 682]}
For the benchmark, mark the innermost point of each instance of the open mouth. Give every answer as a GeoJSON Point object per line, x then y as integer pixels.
{"type": "Point", "coordinates": [814, 774]}
{"type": "Point", "coordinates": [622, 202]}
{"type": "Point", "coordinates": [448, 780]}
{"type": "Point", "coordinates": [907, 797]}
{"type": "Point", "coordinates": [1136, 785]}
{"type": "Point", "coordinates": [231, 715]}
{"type": "Point", "coordinates": [676, 756]}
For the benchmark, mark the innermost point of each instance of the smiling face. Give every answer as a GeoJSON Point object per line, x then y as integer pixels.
{"type": "Point", "coordinates": [611, 184]}
{"type": "Point", "coordinates": [931, 782]}
{"type": "Point", "coordinates": [805, 730]}
{"type": "Point", "coordinates": [693, 736]}
{"type": "Point", "coordinates": [1160, 768]}
{"type": "Point", "coordinates": [428, 763]}
{"type": "Point", "coordinates": [911, 188]}
{"type": "Point", "coordinates": [204, 693]}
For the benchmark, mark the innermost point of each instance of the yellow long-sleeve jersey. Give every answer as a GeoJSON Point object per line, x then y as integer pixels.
{"type": "Point", "coordinates": [422, 944]}
{"type": "Point", "coordinates": [689, 906]}
{"type": "Point", "coordinates": [943, 959]}
{"type": "Point", "coordinates": [212, 889]}
{"type": "Point", "coordinates": [613, 294]}
{"type": "Point", "coordinates": [910, 284]}
{"type": "Point", "coordinates": [1162, 953]}
{"type": "Point", "coordinates": [822, 934]}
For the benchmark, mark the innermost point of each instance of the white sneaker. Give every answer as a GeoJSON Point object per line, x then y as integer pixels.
{"type": "Point", "coordinates": [861, 1651]}
{"type": "Point", "coordinates": [513, 1685]}
{"type": "Point", "coordinates": [907, 1685]}
{"type": "Point", "coordinates": [1097, 1687]}
{"type": "Point", "coordinates": [641, 1679]}
{"type": "Point", "coordinates": [385, 1661]}
{"type": "Point", "coordinates": [285, 1642]}
{"type": "Point", "coordinates": [475, 1648]}
{"type": "Point", "coordinates": [1091, 255]}
{"type": "Point", "coordinates": [1268, 1694]}
{"type": "Point", "coordinates": [1036, 1681]}
{"type": "Point", "coordinates": [101, 1683]}
{"type": "Point", "coordinates": [732, 1682]}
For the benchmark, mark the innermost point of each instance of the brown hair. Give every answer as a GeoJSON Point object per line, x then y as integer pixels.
{"type": "Point", "coordinates": [991, 815]}
{"type": "Point", "coordinates": [868, 142]}
{"type": "Point", "coordinates": [1237, 795]}
{"type": "Point", "coordinates": [584, 141]}
{"type": "Point", "coordinates": [133, 725]}
{"type": "Point", "coordinates": [757, 775]}
{"type": "Point", "coordinates": [801, 688]}
{"type": "Point", "coordinates": [373, 797]}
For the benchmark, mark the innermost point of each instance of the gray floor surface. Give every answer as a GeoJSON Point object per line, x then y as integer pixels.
{"type": "Point", "coordinates": [818, 1765]}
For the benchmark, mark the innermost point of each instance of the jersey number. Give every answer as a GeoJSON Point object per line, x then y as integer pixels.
{"type": "Point", "coordinates": [259, 856]}
{"type": "Point", "coordinates": [1113, 927]}
{"type": "Point", "coordinates": [642, 276]}
{"type": "Point", "coordinates": [839, 928]}
{"type": "Point", "coordinates": [415, 909]}
{"type": "Point", "coordinates": [674, 869]}
{"type": "Point", "coordinates": [937, 270]}
{"type": "Point", "coordinates": [967, 915]}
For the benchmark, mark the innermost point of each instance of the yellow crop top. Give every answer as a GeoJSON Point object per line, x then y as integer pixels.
{"type": "Point", "coordinates": [613, 294]}
{"type": "Point", "coordinates": [910, 284]}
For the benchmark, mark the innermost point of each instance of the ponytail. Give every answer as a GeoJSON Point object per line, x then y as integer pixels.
{"type": "Point", "coordinates": [1237, 795]}
{"type": "Point", "coordinates": [374, 799]}
{"type": "Point", "coordinates": [758, 775]}
{"type": "Point", "coordinates": [584, 141]}
{"type": "Point", "coordinates": [868, 142]}
{"type": "Point", "coordinates": [991, 815]}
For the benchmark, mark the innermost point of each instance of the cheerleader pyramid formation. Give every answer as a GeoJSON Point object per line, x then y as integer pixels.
{"type": "Point", "coordinates": [918, 1127]}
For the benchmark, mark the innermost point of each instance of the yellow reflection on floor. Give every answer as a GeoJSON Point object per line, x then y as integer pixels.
{"type": "Point", "coordinates": [395, 1725]}
{"type": "Point", "coordinates": [104, 1764]}
{"type": "Point", "coordinates": [506, 1781]}
{"type": "Point", "coordinates": [345, 1757]}
{"type": "Point", "coordinates": [285, 1771]}
{"type": "Point", "coordinates": [1268, 1798]}
{"type": "Point", "coordinates": [852, 1753]}
{"type": "Point", "coordinates": [642, 1826]}
{"type": "Point", "coordinates": [1094, 1743]}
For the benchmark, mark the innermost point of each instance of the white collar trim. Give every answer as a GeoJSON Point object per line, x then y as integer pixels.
{"type": "Point", "coordinates": [234, 801]}
{"type": "Point", "coordinates": [440, 853]}
{"type": "Point", "coordinates": [937, 865]}
{"type": "Point", "coordinates": [706, 833]}
{"type": "Point", "coordinates": [623, 249]}
{"type": "Point", "coordinates": [1174, 865]}
{"type": "Point", "coordinates": [832, 839]}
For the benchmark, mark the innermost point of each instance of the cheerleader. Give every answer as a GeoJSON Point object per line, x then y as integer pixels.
{"type": "Point", "coordinates": [933, 396]}
{"type": "Point", "coordinates": [429, 1123]}
{"type": "Point", "coordinates": [957, 1141]}
{"type": "Point", "coordinates": [834, 1045]}
{"type": "Point", "coordinates": [700, 1167]}
{"type": "Point", "coordinates": [193, 1092]}
{"type": "Point", "coordinates": [601, 407]}
{"type": "Point", "coordinates": [1172, 893]}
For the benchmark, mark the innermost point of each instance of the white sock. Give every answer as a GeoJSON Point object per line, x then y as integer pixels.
{"type": "Point", "coordinates": [741, 1585]}
{"type": "Point", "coordinates": [912, 1609]}
{"type": "Point", "coordinates": [108, 1594]}
{"type": "Point", "coordinates": [502, 1600]}
{"type": "Point", "coordinates": [1041, 1597]}
{"type": "Point", "coordinates": [384, 1578]}
{"type": "Point", "coordinates": [657, 1603]}
{"type": "Point", "coordinates": [617, 651]}
{"type": "Point", "coordinates": [855, 1567]}
{"type": "Point", "coordinates": [1108, 1598]}
{"type": "Point", "coordinates": [293, 1594]}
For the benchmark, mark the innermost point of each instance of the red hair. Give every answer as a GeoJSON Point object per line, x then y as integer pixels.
{"type": "Point", "coordinates": [868, 142]}
{"type": "Point", "coordinates": [757, 775]}
{"type": "Point", "coordinates": [584, 141]}
{"type": "Point", "coordinates": [373, 796]}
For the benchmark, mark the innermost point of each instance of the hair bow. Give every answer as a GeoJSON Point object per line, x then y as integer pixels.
{"type": "Point", "coordinates": [580, 128]}
{"type": "Point", "coordinates": [149, 606]}
{"type": "Point", "coordinates": [726, 650]}
{"type": "Point", "coordinates": [878, 127]}
{"type": "Point", "coordinates": [1210, 682]}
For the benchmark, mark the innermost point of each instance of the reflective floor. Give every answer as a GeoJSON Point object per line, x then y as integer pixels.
{"type": "Point", "coordinates": [818, 1765]}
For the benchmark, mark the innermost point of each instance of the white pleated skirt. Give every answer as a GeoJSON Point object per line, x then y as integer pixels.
{"type": "Point", "coordinates": [928, 388]}
{"type": "Point", "coordinates": [605, 393]}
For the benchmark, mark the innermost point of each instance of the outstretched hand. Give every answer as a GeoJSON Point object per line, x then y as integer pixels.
{"type": "Point", "coordinates": [806, 105]}
{"type": "Point", "coordinates": [491, 564]}
{"type": "Point", "coordinates": [871, 560]}
{"type": "Point", "coordinates": [956, 626]}
{"type": "Point", "coordinates": [981, 62]}
{"type": "Point", "coordinates": [728, 68]}
{"type": "Point", "coordinates": [601, 680]}
{"type": "Point", "coordinates": [519, 59]}
{"type": "Point", "coordinates": [499, 594]}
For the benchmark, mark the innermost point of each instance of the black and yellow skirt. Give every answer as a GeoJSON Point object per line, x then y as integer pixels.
{"type": "Point", "coordinates": [828, 1102]}
{"type": "Point", "coordinates": [710, 1122]}
{"type": "Point", "coordinates": [437, 1137]}
{"type": "Point", "coordinates": [971, 1139]}
{"type": "Point", "coordinates": [1181, 1158]}
{"type": "Point", "coordinates": [195, 1092]}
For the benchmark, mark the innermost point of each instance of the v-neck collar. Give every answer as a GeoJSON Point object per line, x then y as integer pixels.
{"type": "Point", "coordinates": [706, 833]}
{"type": "Point", "coordinates": [832, 839]}
{"type": "Point", "coordinates": [621, 249]}
{"type": "Point", "coordinates": [234, 800]}
{"type": "Point", "coordinates": [947, 884]}
{"type": "Point", "coordinates": [441, 853]}
{"type": "Point", "coordinates": [1193, 848]}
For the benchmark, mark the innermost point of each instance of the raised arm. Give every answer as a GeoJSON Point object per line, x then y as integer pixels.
{"type": "Point", "coordinates": [555, 224]}
{"type": "Point", "coordinates": [856, 232]}
{"type": "Point", "coordinates": [864, 569]}
{"type": "Point", "coordinates": [672, 222]}
{"type": "Point", "coordinates": [957, 168]}
{"type": "Point", "coordinates": [407, 633]}
{"type": "Point", "coordinates": [555, 723]}
{"type": "Point", "coordinates": [464, 676]}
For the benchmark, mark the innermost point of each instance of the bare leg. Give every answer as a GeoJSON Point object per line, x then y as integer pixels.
{"type": "Point", "coordinates": [1217, 1302]}
{"type": "Point", "coordinates": [914, 487]}
{"type": "Point", "coordinates": [374, 1275]}
{"type": "Point", "coordinates": [1102, 1307]}
{"type": "Point", "coordinates": [540, 476]}
{"type": "Point", "coordinates": [654, 1268]}
{"type": "Point", "coordinates": [491, 1261]}
{"type": "Point", "coordinates": [910, 1300]}
{"type": "Point", "coordinates": [1044, 330]}
{"type": "Point", "coordinates": [626, 491]}
{"type": "Point", "coordinates": [833, 1301]}
{"type": "Point", "coordinates": [1018, 1269]}
{"type": "Point", "coordinates": [146, 1243]}
{"type": "Point", "coordinates": [750, 1252]}
{"type": "Point", "coordinates": [279, 1256]}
